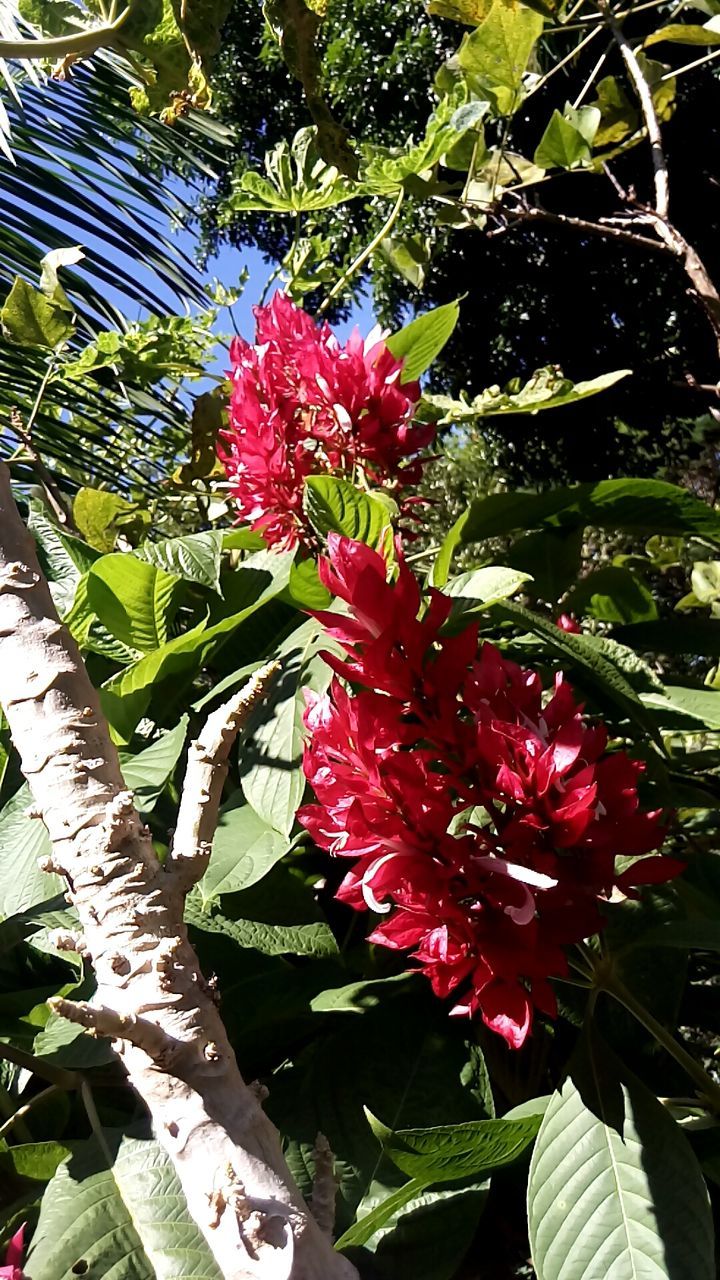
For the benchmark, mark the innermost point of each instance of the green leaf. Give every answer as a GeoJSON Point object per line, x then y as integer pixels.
{"type": "Point", "coordinates": [687, 33]}
{"type": "Point", "coordinates": [673, 635]}
{"type": "Point", "coordinates": [452, 1152]}
{"type": "Point", "coordinates": [63, 558]}
{"type": "Point", "coordinates": [552, 557]}
{"type": "Point", "coordinates": [126, 697]}
{"type": "Point", "coordinates": [298, 180]}
{"type": "Point", "coordinates": [614, 1188]}
{"type": "Point", "coordinates": [546, 389]}
{"type": "Point", "coordinates": [133, 599]}
{"type": "Point", "coordinates": [495, 56]}
{"type": "Point", "coordinates": [636, 506]}
{"type": "Point", "coordinates": [130, 1222]}
{"type": "Point", "coordinates": [273, 780]}
{"type": "Point", "coordinates": [101, 516]}
{"type": "Point", "coordinates": [618, 116]}
{"type": "Point", "coordinates": [697, 934]}
{"type": "Point", "coordinates": [702, 705]}
{"type": "Point", "coordinates": [35, 1160]}
{"type": "Point", "coordinates": [562, 145]}
{"type": "Point", "coordinates": [30, 319]}
{"type": "Point", "coordinates": [23, 841]}
{"type": "Point", "coordinates": [487, 586]}
{"type": "Point", "coordinates": [147, 773]}
{"type": "Point", "coordinates": [423, 339]}
{"type": "Point", "coordinates": [196, 557]}
{"type": "Point", "coordinates": [244, 849]}
{"type": "Point", "coordinates": [276, 916]}
{"type": "Point", "coordinates": [613, 594]}
{"type": "Point", "coordinates": [334, 505]}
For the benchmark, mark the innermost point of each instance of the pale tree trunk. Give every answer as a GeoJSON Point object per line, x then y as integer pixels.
{"type": "Point", "coordinates": [151, 997]}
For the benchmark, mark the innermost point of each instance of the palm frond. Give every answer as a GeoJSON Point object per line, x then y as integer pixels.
{"type": "Point", "coordinates": [85, 169]}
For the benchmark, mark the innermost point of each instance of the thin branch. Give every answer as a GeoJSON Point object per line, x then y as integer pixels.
{"type": "Point", "coordinates": [367, 252]}
{"type": "Point", "coordinates": [19, 1115]}
{"type": "Point", "coordinates": [79, 43]}
{"type": "Point", "coordinates": [690, 66]}
{"type": "Point", "coordinates": [24, 431]}
{"type": "Point", "coordinates": [205, 775]}
{"type": "Point", "coordinates": [60, 1076]}
{"type": "Point", "coordinates": [647, 104]}
{"type": "Point", "coordinates": [532, 213]}
{"type": "Point", "coordinates": [540, 84]}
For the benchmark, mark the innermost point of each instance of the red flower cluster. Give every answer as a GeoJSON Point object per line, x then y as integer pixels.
{"type": "Point", "coordinates": [302, 404]}
{"type": "Point", "coordinates": [482, 815]}
{"type": "Point", "coordinates": [12, 1270]}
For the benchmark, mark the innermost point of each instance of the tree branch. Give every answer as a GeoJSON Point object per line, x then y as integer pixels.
{"type": "Point", "coordinates": [77, 44]}
{"type": "Point", "coordinates": [150, 991]}
{"type": "Point", "coordinates": [205, 775]}
{"type": "Point", "coordinates": [647, 105]}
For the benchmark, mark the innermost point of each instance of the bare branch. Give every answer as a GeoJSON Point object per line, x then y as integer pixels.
{"type": "Point", "coordinates": [647, 105]}
{"type": "Point", "coordinates": [325, 1186]}
{"type": "Point", "coordinates": [151, 993]}
{"type": "Point", "coordinates": [205, 775]}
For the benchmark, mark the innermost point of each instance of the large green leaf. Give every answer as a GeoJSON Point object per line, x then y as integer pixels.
{"type": "Point", "coordinates": [63, 558]}
{"type": "Point", "coordinates": [495, 56]}
{"type": "Point", "coordinates": [614, 1188]}
{"type": "Point", "coordinates": [449, 1153]}
{"type": "Point", "coordinates": [701, 705]}
{"type": "Point", "coordinates": [30, 319]}
{"type": "Point", "coordinates": [129, 1222]}
{"type": "Point", "coordinates": [23, 842]}
{"type": "Point", "coordinates": [272, 778]}
{"type": "Point", "coordinates": [244, 849]}
{"type": "Point", "coordinates": [127, 695]}
{"type": "Point", "coordinates": [147, 772]}
{"type": "Point", "coordinates": [196, 557]}
{"type": "Point", "coordinates": [333, 505]}
{"type": "Point", "coordinates": [423, 339]}
{"type": "Point", "coordinates": [397, 1059]}
{"type": "Point", "coordinates": [134, 600]}
{"type": "Point", "coordinates": [613, 594]}
{"type": "Point", "coordinates": [636, 506]}
{"type": "Point", "coordinates": [276, 916]}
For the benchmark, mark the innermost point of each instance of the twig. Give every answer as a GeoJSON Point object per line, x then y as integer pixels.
{"type": "Point", "coordinates": [325, 1186]}
{"type": "Point", "coordinates": [19, 1115]}
{"type": "Point", "coordinates": [644, 93]}
{"type": "Point", "coordinates": [60, 1076]}
{"type": "Point", "coordinates": [205, 775]}
{"type": "Point", "coordinates": [367, 252]}
{"type": "Point", "coordinates": [23, 431]}
{"type": "Point", "coordinates": [690, 66]}
{"type": "Point", "coordinates": [533, 213]}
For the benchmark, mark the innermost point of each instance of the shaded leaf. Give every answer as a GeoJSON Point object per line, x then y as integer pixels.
{"type": "Point", "coordinates": [614, 1187]}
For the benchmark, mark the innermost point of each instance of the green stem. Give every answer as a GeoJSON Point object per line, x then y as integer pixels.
{"type": "Point", "coordinates": [79, 42]}
{"type": "Point", "coordinates": [367, 252]}
{"type": "Point", "coordinates": [17, 1119]}
{"type": "Point", "coordinates": [706, 1085]}
{"type": "Point", "coordinates": [9, 1109]}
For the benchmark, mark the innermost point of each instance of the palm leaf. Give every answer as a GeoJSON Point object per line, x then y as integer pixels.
{"type": "Point", "coordinates": [85, 169]}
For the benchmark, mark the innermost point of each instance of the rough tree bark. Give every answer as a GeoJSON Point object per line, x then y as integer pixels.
{"type": "Point", "coordinates": [151, 996]}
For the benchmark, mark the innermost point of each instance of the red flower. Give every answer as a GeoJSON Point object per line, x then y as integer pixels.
{"type": "Point", "coordinates": [483, 816]}
{"type": "Point", "coordinates": [13, 1258]}
{"type": "Point", "coordinates": [302, 404]}
{"type": "Point", "coordinates": [566, 622]}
